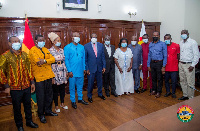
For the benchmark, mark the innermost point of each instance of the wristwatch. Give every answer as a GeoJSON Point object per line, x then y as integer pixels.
{"type": "Point", "coordinates": [45, 61]}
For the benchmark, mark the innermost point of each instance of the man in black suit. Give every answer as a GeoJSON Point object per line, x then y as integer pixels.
{"type": "Point", "coordinates": [109, 75]}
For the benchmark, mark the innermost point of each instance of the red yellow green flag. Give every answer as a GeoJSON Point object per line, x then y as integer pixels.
{"type": "Point", "coordinates": [28, 42]}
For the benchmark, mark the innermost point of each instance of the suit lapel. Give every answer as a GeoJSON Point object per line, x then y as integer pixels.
{"type": "Point", "coordinates": [106, 52]}
{"type": "Point", "coordinates": [98, 49]}
{"type": "Point", "coordinates": [91, 48]}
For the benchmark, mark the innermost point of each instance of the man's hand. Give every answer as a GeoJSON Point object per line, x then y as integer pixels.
{"type": "Point", "coordinates": [190, 68]}
{"type": "Point", "coordinates": [149, 68]}
{"type": "Point", "coordinates": [53, 80]}
{"type": "Point", "coordinates": [40, 62]}
{"type": "Point", "coordinates": [120, 70]}
{"type": "Point", "coordinates": [103, 71]}
{"type": "Point", "coordinates": [129, 69]}
{"type": "Point", "coordinates": [70, 74]}
{"type": "Point", "coordinates": [163, 70]}
{"type": "Point", "coordinates": [32, 88]}
{"type": "Point", "coordinates": [67, 76]}
{"type": "Point", "coordinates": [88, 72]}
{"type": "Point", "coordinates": [140, 67]}
{"type": "Point", "coordinates": [85, 72]}
{"type": "Point", "coordinates": [7, 91]}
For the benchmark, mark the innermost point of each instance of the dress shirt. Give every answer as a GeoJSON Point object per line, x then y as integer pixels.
{"type": "Point", "coordinates": [145, 52]}
{"type": "Point", "coordinates": [137, 55]}
{"type": "Point", "coordinates": [189, 51]}
{"type": "Point", "coordinates": [108, 48]}
{"type": "Point", "coordinates": [157, 51]}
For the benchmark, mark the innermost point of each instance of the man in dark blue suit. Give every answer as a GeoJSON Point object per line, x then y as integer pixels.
{"type": "Point", "coordinates": [95, 65]}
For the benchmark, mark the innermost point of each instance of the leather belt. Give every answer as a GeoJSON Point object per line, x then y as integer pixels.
{"type": "Point", "coordinates": [155, 61]}
{"type": "Point", "coordinates": [185, 62]}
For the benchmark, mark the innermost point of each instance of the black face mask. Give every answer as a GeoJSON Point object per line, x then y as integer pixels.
{"type": "Point", "coordinates": [155, 39]}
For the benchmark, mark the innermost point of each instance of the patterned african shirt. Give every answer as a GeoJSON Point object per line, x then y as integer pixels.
{"type": "Point", "coordinates": [15, 70]}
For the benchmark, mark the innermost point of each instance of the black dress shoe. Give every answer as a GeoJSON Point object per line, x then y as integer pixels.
{"type": "Point", "coordinates": [167, 94]}
{"type": "Point", "coordinates": [32, 125]}
{"type": "Point", "coordinates": [137, 91]}
{"type": "Point", "coordinates": [183, 98]}
{"type": "Point", "coordinates": [43, 119]}
{"type": "Point", "coordinates": [102, 97]}
{"type": "Point", "coordinates": [114, 94]}
{"type": "Point", "coordinates": [90, 100]}
{"type": "Point", "coordinates": [51, 114]}
{"type": "Point", "coordinates": [20, 129]}
{"type": "Point", "coordinates": [143, 90]}
{"type": "Point", "coordinates": [107, 94]}
{"type": "Point", "coordinates": [74, 105]}
{"type": "Point", "coordinates": [173, 96]}
{"type": "Point", "coordinates": [83, 102]}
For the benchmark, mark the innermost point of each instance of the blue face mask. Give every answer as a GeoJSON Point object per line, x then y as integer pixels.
{"type": "Point", "coordinates": [16, 46]}
{"type": "Point", "coordinates": [184, 36]}
{"type": "Point", "coordinates": [107, 42]}
{"type": "Point", "coordinates": [167, 42]}
{"type": "Point", "coordinates": [58, 44]}
{"type": "Point", "coordinates": [41, 44]}
{"type": "Point", "coordinates": [76, 39]}
{"type": "Point", "coordinates": [145, 40]}
{"type": "Point", "coordinates": [124, 44]}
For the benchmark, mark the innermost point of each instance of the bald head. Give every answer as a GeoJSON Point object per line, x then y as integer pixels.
{"type": "Point", "coordinates": [107, 38]}
{"type": "Point", "coordinates": [184, 32]}
{"type": "Point", "coordinates": [13, 39]}
{"type": "Point", "coordinates": [76, 34]}
{"type": "Point", "coordinates": [134, 38]}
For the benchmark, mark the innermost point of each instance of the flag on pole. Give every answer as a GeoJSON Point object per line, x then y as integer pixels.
{"type": "Point", "coordinates": [142, 32]}
{"type": "Point", "coordinates": [28, 42]}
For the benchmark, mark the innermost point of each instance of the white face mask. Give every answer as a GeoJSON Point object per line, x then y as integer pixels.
{"type": "Point", "coordinates": [133, 42]}
{"type": "Point", "coordinates": [76, 39]}
{"type": "Point", "coordinates": [94, 40]}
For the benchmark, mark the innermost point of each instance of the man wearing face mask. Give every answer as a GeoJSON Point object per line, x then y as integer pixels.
{"type": "Point", "coordinates": [75, 63]}
{"type": "Point", "coordinates": [95, 65]}
{"type": "Point", "coordinates": [109, 75]}
{"type": "Point", "coordinates": [59, 69]}
{"type": "Point", "coordinates": [171, 69]}
{"type": "Point", "coordinates": [17, 77]}
{"type": "Point", "coordinates": [137, 61]}
{"type": "Point", "coordinates": [157, 60]}
{"type": "Point", "coordinates": [189, 57]}
{"type": "Point", "coordinates": [41, 61]}
{"type": "Point", "coordinates": [145, 52]}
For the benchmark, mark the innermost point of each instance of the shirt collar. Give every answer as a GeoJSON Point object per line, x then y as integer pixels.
{"type": "Point", "coordinates": [186, 40]}
{"type": "Point", "coordinates": [15, 53]}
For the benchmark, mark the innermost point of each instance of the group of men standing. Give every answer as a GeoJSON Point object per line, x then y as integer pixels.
{"type": "Point", "coordinates": [20, 74]}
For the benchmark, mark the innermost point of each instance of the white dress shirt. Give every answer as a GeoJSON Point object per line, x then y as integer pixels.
{"type": "Point", "coordinates": [108, 48]}
{"type": "Point", "coordinates": [189, 51]}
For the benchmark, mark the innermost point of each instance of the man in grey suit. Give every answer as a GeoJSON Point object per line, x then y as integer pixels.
{"type": "Point", "coordinates": [109, 75]}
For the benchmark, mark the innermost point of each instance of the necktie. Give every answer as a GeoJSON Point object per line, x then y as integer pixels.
{"type": "Point", "coordinates": [95, 50]}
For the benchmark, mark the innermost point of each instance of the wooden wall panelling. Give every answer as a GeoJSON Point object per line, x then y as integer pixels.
{"type": "Point", "coordinates": [5, 33]}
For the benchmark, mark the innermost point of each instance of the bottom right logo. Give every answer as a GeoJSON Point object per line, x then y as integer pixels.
{"type": "Point", "coordinates": [185, 113]}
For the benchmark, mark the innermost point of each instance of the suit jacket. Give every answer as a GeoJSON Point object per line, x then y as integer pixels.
{"type": "Point", "coordinates": [92, 62]}
{"type": "Point", "coordinates": [110, 64]}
